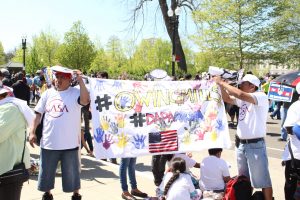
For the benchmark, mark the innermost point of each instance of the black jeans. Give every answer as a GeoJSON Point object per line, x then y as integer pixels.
{"type": "Point", "coordinates": [11, 191]}
{"type": "Point", "coordinates": [86, 118]}
{"type": "Point", "coordinates": [290, 181]}
{"type": "Point", "coordinates": [158, 167]}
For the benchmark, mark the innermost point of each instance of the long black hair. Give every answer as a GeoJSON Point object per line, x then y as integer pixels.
{"type": "Point", "coordinates": [177, 166]}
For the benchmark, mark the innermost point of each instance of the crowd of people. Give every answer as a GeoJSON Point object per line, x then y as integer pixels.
{"type": "Point", "coordinates": [64, 103]}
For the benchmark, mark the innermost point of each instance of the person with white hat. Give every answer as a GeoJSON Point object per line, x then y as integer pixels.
{"type": "Point", "coordinates": [252, 160]}
{"type": "Point", "coordinates": [292, 125]}
{"type": "Point", "coordinates": [61, 132]}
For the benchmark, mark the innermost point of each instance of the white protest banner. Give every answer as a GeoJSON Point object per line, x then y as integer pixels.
{"type": "Point", "coordinates": [135, 118]}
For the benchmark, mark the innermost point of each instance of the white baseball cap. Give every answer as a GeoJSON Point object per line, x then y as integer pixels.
{"type": "Point", "coordinates": [298, 88]}
{"type": "Point", "coordinates": [252, 79]}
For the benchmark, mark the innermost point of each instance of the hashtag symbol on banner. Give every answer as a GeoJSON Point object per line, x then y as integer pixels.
{"type": "Point", "coordinates": [138, 119]}
{"type": "Point", "coordinates": [103, 102]}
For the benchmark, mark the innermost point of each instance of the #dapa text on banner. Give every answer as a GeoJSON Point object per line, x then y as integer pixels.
{"type": "Point", "coordinates": [135, 118]}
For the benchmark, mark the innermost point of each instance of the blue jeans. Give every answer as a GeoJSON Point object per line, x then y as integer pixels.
{"type": "Point", "coordinates": [70, 169]}
{"type": "Point", "coordinates": [252, 161]}
{"type": "Point", "coordinates": [127, 164]}
{"type": "Point", "coordinates": [283, 112]}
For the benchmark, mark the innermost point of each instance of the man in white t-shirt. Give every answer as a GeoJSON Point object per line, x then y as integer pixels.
{"type": "Point", "coordinates": [60, 140]}
{"type": "Point", "coordinates": [292, 119]}
{"type": "Point", "coordinates": [214, 172]}
{"type": "Point", "coordinates": [252, 160]}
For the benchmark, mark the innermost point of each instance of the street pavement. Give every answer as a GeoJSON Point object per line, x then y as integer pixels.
{"type": "Point", "coordinates": [100, 179]}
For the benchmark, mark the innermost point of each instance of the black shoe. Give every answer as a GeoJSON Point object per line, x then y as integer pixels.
{"type": "Point", "coordinates": [272, 116]}
{"type": "Point", "coordinates": [139, 194]}
{"type": "Point", "coordinates": [282, 140]}
{"type": "Point", "coordinates": [113, 160]}
{"type": "Point", "coordinates": [76, 196]}
{"type": "Point", "coordinates": [47, 196]}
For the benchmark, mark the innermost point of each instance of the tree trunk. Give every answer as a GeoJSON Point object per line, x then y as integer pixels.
{"type": "Point", "coordinates": [169, 26]}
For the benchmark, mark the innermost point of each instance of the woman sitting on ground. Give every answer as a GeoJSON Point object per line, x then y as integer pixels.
{"type": "Point", "coordinates": [177, 184]}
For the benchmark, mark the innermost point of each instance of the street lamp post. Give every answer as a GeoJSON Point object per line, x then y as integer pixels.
{"type": "Point", "coordinates": [24, 48]}
{"type": "Point", "coordinates": [174, 15]}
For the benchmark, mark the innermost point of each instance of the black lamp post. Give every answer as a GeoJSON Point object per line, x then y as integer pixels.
{"type": "Point", "coordinates": [24, 48]}
{"type": "Point", "coordinates": [174, 15]}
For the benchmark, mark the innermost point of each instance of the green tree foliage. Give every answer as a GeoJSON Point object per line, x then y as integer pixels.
{"type": "Point", "coordinates": [285, 33]}
{"type": "Point", "coordinates": [46, 44]}
{"type": "Point", "coordinates": [115, 55]}
{"type": "Point", "coordinates": [232, 29]}
{"type": "Point", "coordinates": [100, 63]}
{"type": "Point", "coordinates": [2, 54]}
{"type": "Point", "coordinates": [77, 51]}
{"type": "Point", "coordinates": [33, 60]}
{"type": "Point", "coordinates": [151, 54]}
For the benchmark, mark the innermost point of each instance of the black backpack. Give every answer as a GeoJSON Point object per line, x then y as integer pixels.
{"type": "Point", "coordinates": [238, 188]}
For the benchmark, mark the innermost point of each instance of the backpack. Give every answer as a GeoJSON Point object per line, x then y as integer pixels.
{"type": "Point", "coordinates": [238, 188]}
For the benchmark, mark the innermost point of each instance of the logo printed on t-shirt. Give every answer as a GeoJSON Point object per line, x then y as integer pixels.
{"type": "Point", "coordinates": [56, 108]}
{"type": "Point", "coordinates": [243, 112]}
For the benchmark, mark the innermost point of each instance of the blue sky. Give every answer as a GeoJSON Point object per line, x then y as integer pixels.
{"type": "Point", "coordinates": [100, 18]}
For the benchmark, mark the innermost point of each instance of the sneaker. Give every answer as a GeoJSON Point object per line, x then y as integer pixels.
{"type": "Point", "coordinates": [281, 140]}
{"type": "Point", "coordinates": [47, 196]}
{"type": "Point", "coordinates": [76, 196]}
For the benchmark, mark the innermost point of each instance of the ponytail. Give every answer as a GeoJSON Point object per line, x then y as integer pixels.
{"type": "Point", "coordinates": [170, 182]}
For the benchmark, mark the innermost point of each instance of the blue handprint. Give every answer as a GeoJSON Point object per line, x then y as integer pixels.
{"type": "Point", "coordinates": [124, 101]}
{"type": "Point", "coordinates": [114, 127]}
{"type": "Point", "coordinates": [220, 125]}
{"type": "Point", "coordinates": [139, 141]}
{"type": "Point", "coordinates": [117, 84]}
{"type": "Point", "coordinates": [99, 85]}
{"type": "Point", "coordinates": [99, 135]}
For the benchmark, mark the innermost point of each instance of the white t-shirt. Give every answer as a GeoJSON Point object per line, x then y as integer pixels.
{"type": "Point", "coordinates": [253, 117]}
{"type": "Point", "coordinates": [61, 127]}
{"type": "Point", "coordinates": [212, 171]}
{"type": "Point", "coordinates": [181, 187]}
{"type": "Point", "coordinates": [189, 162]}
{"type": "Point", "coordinates": [292, 118]}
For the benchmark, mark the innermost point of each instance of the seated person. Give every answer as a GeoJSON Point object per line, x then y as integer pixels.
{"type": "Point", "coordinates": [190, 163]}
{"type": "Point", "coordinates": [214, 174]}
{"type": "Point", "coordinates": [177, 184]}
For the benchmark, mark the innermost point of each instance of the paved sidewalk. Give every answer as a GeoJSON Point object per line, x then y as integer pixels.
{"type": "Point", "coordinates": [100, 179]}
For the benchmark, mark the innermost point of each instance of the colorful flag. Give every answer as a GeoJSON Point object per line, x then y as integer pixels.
{"type": "Point", "coordinates": [163, 141]}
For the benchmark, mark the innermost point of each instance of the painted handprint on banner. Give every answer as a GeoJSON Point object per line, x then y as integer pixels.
{"type": "Point", "coordinates": [104, 122]}
{"type": "Point", "coordinates": [200, 134]}
{"type": "Point", "coordinates": [139, 141]}
{"type": "Point", "coordinates": [98, 136]}
{"type": "Point", "coordinates": [117, 85]}
{"type": "Point", "coordinates": [139, 87]}
{"type": "Point", "coordinates": [124, 101]}
{"type": "Point", "coordinates": [122, 140]}
{"type": "Point", "coordinates": [138, 107]}
{"type": "Point", "coordinates": [220, 126]}
{"type": "Point", "coordinates": [108, 141]}
{"type": "Point", "coordinates": [114, 128]}
{"type": "Point", "coordinates": [120, 120]}
{"type": "Point", "coordinates": [213, 135]}
{"type": "Point", "coordinates": [99, 86]}
{"type": "Point", "coordinates": [186, 137]}
{"type": "Point", "coordinates": [162, 124]}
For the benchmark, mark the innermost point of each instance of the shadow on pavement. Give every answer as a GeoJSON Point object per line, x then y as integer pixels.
{"type": "Point", "coordinates": [91, 169]}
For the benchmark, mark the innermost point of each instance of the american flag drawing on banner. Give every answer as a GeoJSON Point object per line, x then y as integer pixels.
{"type": "Point", "coordinates": [163, 141]}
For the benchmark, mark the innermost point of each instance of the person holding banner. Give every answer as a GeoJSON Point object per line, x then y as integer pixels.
{"type": "Point", "coordinates": [61, 132]}
{"type": "Point", "coordinates": [252, 160]}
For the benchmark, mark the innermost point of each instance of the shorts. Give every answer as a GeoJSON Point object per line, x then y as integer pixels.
{"type": "Point", "coordinates": [70, 169]}
{"type": "Point", "coordinates": [234, 110]}
{"type": "Point", "coordinates": [252, 161]}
